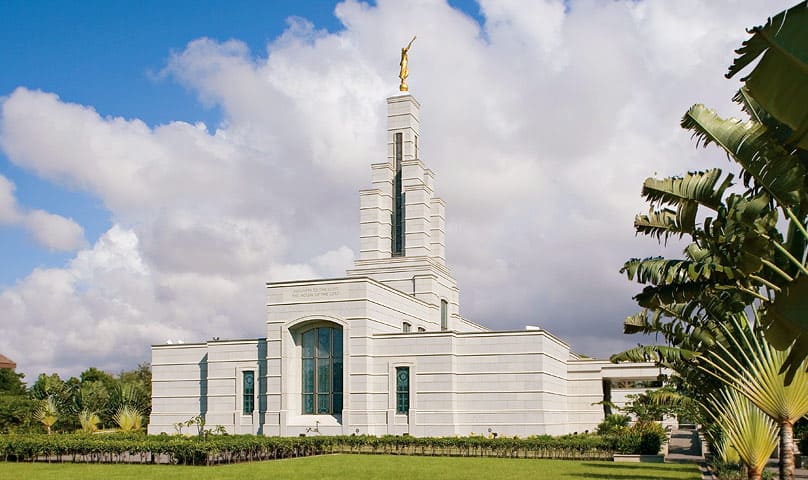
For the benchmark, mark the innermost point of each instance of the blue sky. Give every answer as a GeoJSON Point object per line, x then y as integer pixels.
{"type": "Point", "coordinates": [110, 55]}
{"type": "Point", "coordinates": [540, 119]}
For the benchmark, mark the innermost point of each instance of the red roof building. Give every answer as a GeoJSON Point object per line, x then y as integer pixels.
{"type": "Point", "coordinates": [6, 362]}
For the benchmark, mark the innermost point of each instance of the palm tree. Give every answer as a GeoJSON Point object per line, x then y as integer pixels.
{"type": "Point", "coordinates": [89, 420]}
{"type": "Point", "coordinates": [746, 362]}
{"type": "Point", "coordinates": [746, 430]}
{"type": "Point", "coordinates": [128, 418]}
{"type": "Point", "coordinates": [47, 413]}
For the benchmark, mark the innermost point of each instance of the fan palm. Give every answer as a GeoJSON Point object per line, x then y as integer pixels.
{"type": "Point", "coordinates": [47, 413]}
{"type": "Point", "coordinates": [746, 430]}
{"type": "Point", "coordinates": [89, 420]}
{"type": "Point", "coordinates": [129, 418]}
{"type": "Point", "coordinates": [746, 362]}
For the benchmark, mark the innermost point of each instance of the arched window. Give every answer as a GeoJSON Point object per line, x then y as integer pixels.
{"type": "Point", "coordinates": [322, 370]}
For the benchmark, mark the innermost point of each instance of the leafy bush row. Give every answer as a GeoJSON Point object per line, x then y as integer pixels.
{"type": "Point", "coordinates": [237, 448]}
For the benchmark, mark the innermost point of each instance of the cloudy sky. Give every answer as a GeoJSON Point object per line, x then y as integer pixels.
{"type": "Point", "coordinates": [160, 162]}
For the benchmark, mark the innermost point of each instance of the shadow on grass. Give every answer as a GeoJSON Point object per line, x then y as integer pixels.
{"type": "Point", "coordinates": [644, 471]}
{"type": "Point", "coordinates": [618, 466]}
{"type": "Point", "coordinates": [612, 476]}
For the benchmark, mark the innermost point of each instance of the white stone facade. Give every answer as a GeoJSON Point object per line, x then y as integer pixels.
{"type": "Point", "coordinates": [397, 311]}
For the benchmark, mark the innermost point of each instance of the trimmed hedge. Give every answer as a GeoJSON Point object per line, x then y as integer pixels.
{"type": "Point", "coordinates": [216, 449]}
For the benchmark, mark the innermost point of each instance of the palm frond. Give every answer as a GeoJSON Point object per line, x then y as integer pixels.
{"type": "Point", "coordinates": [779, 81]}
{"type": "Point", "coordinates": [659, 354]}
{"type": "Point", "coordinates": [760, 155]}
{"type": "Point", "coordinates": [693, 188]}
{"type": "Point", "coordinates": [746, 428]}
{"type": "Point", "coordinates": [745, 361]}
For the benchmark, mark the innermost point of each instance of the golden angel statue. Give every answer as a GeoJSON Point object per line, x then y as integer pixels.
{"type": "Point", "coordinates": [405, 72]}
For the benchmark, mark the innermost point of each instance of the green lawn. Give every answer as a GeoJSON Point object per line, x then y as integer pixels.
{"type": "Point", "coordinates": [358, 467]}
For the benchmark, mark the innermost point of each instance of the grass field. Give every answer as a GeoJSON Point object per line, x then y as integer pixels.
{"type": "Point", "coordinates": [359, 467]}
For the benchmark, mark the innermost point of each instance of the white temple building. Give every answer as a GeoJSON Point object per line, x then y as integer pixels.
{"type": "Point", "coordinates": [385, 350]}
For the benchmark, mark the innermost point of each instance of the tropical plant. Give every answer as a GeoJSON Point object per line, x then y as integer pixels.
{"type": "Point", "coordinates": [89, 421]}
{"type": "Point", "coordinates": [749, 364]}
{"type": "Point", "coordinates": [47, 413]}
{"type": "Point", "coordinates": [748, 252]}
{"type": "Point", "coordinates": [128, 418]}
{"type": "Point", "coordinates": [738, 256]}
{"type": "Point", "coordinates": [127, 394]}
{"type": "Point", "coordinates": [747, 432]}
{"type": "Point", "coordinates": [612, 423]}
{"type": "Point", "coordinates": [776, 92]}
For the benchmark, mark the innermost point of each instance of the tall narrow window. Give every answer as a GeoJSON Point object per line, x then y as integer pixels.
{"type": "Point", "coordinates": [248, 388]}
{"type": "Point", "coordinates": [402, 389]}
{"type": "Point", "coordinates": [444, 315]}
{"type": "Point", "coordinates": [416, 146]}
{"type": "Point", "coordinates": [406, 327]}
{"type": "Point", "coordinates": [397, 221]}
{"type": "Point", "coordinates": [322, 371]}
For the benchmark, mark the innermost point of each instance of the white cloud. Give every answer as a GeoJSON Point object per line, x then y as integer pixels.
{"type": "Point", "coordinates": [8, 204]}
{"type": "Point", "coordinates": [52, 231]}
{"type": "Point", "coordinates": [540, 125]}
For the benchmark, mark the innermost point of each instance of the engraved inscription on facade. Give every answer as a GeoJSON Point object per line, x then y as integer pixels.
{"type": "Point", "coordinates": [315, 292]}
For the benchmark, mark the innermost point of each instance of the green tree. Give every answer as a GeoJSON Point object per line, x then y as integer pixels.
{"type": "Point", "coordinates": [48, 385]}
{"type": "Point", "coordinates": [16, 407]}
{"type": "Point", "coordinates": [11, 382]}
{"type": "Point", "coordinates": [92, 375]}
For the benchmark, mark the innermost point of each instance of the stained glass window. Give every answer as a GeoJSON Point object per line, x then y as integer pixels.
{"type": "Point", "coordinates": [248, 387]}
{"type": "Point", "coordinates": [402, 389]}
{"type": "Point", "coordinates": [322, 370]}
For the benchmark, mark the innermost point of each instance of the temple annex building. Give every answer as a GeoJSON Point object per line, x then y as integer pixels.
{"type": "Point", "coordinates": [385, 350]}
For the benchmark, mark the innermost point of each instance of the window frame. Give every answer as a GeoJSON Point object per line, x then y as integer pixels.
{"type": "Point", "coordinates": [330, 360]}
{"type": "Point", "coordinates": [247, 394]}
{"type": "Point", "coordinates": [402, 392]}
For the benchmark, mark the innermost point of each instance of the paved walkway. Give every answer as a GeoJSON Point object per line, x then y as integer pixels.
{"type": "Point", "coordinates": [685, 447]}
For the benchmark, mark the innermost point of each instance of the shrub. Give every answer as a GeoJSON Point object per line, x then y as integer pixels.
{"type": "Point", "coordinates": [612, 423]}
{"type": "Point", "coordinates": [728, 470]}
{"type": "Point", "coordinates": [642, 438]}
{"type": "Point", "coordinates": [212, 449]}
